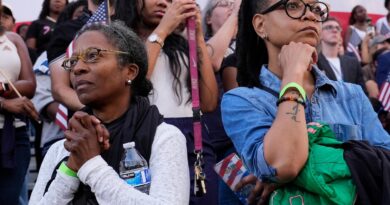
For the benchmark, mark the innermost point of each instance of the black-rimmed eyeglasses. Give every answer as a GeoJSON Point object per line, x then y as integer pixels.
{"type": "Point", "coordinates": [295, 9]}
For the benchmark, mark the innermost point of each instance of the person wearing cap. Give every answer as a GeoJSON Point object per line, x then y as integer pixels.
{"type": "Point", "coordinates": [7, 18]}
{"type": "Point", "coordinates": [337, 67]}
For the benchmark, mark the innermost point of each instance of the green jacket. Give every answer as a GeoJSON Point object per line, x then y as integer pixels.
{"type": "Point", "coordinates": [325, 178]}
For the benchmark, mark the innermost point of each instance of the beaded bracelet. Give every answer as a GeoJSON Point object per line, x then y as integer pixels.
{"type": "Point", "coordinates": [291, 98]}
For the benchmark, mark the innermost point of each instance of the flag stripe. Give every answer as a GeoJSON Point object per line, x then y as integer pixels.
{"type": "Point", "coordinates": [384, 94]}
{"type": "Point", "coordinates": [62, 117]}
{"type": "Point", "coordinates": [225, 163]}
{"type": "Point", "coordinates": [234, 173]}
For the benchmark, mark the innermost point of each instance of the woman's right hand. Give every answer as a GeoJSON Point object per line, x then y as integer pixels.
{"type": "Point", "coordinates": [177, 12]}
{"type": "Point", "coordinates": [295, 59]}
{"type": "Point", "coordinates": [20, 106]}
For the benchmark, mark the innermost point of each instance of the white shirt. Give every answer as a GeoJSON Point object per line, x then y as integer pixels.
{"type": "Point", "coordinates": [336, 67]}
{"type": "Point", "coordinates": [382, 26]}
{"type": "Point", "coordinates": [170, 180]}
{"type": "Point", "coordinates": [163, 94]}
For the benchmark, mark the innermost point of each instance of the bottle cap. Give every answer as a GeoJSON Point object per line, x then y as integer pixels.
{"type": "Point", "coordinates": [129, 145]}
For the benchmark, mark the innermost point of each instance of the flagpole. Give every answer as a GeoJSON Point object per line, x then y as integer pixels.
{"type": "Point", "coordinates": [11, 84]}
{"type": "Point", "coordinates": [108, 12]}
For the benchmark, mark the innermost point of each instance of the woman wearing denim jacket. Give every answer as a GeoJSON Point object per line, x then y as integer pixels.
{"type": "Point", "coordinates": [276, 51]}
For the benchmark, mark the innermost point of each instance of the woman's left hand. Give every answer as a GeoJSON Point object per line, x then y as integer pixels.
{"type": "Point", "coordinates": [82, 139]}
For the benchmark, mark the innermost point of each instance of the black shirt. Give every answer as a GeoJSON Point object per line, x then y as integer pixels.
{"type": "Point", "coordinates": [63, 34]}
{"type": "Point", "coordinates": [41, 30]}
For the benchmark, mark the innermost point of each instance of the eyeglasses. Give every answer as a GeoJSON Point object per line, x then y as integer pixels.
{"type": "Point", "coordinates": [90, 55]}
{"type": "Point", "coordinates": [295, 9]}
{"type": "Point", "coordinates": [331, 27]}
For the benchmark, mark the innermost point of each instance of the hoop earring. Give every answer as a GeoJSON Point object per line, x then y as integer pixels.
{"type": "Point", "coordinates": [128, 82]}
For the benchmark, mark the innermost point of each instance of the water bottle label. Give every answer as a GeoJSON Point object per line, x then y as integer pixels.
{"type": "Point", "coordinates": [136, 177]}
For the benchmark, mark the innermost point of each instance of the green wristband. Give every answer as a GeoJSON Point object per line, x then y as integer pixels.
{"type": "Point", "coordinates": [296, 86]}
{"type": "Point", "coordinates": [66, 170]}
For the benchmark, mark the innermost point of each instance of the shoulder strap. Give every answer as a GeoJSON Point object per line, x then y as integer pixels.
{"type": "Point", "coordinates": [54, 174]}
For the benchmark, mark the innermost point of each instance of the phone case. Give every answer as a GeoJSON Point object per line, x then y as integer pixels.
{"type": "Point", "coordinates": [231, 169]}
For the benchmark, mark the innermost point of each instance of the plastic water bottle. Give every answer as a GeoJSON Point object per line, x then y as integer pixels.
{"type": "Point", "coordinates": [134, 169]}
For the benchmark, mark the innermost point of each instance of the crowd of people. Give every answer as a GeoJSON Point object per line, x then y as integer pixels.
{"type": "Point", "coordinates": [279, 85]}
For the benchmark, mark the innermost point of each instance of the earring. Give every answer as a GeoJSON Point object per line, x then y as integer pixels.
{"type": "Point", "coordinates": [265, 37]}
{"type": "Point", "coordinates": [128, 82]}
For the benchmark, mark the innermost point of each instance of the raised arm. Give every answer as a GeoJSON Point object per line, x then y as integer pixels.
{"type": "Point", "coordinates": [61, 88]}
{"type": "Point", "coordinates": [207, 82]}
{"type": "Point", "coordinates": [220, 41]}
{"type": "Point", "coordinates": [176, 13]}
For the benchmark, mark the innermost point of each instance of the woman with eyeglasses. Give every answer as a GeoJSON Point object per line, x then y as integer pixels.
{"type": "Point", "coordinates": [282, 90]}
{"type": "Point", "coordinates": [108, 71]}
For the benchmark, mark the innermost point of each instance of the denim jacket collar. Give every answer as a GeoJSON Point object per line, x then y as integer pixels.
{"type": "Point", "coordinates": [270, 80]}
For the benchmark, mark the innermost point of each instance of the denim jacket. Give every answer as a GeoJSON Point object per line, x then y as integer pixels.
{"type": "Point", "coordinates": [248, 113]}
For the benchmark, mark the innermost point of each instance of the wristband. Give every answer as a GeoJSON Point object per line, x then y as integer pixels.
{"type": "Point", "coordinates": [66, 170]}
{"type": "Point", "coordinates": [290, 98]}
{"type": "Point", "coordinates": [296, 86]}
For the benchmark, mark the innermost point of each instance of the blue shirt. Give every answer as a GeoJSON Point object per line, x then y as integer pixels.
{"type": "Point", "coordinates": [248, 113]}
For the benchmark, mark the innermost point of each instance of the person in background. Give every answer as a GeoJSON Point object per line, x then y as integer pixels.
{"type": "Point", "coordinates": [8, 20]}
{"type": "Point", "coordinates": [108, 71]}
{"type": "Point", "coordinates": [282, 90]}
{"type": "Point", "coordinates": [337, 67]}
{"type": "Point", "coordinates": [372, 48]}
{"type": "Point", "coordinates": [159, 23]}
{"type": "Point", "coordinates": [40, 31]}
{"type": "Point", "coordinates": [382, 24]}
{"type": "Point", "coordinates": [356, 31]}
{"type": "Point", "coordinates": [220, 26]}
{"type": "Point", "coordinates": [43, 99]}
{"type": "Point", "coordinates": [14, 138]}
{"type": "Point", "coordinates": [22, 30]}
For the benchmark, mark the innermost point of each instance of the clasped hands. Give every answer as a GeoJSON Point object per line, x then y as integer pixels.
{"type": "Point", "coordinates": [86, 137]}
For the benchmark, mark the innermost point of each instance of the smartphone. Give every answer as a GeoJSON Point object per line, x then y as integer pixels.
{"type": "Point", "coordinates": [371, 30]}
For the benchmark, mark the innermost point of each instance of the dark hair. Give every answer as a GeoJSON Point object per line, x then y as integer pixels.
{"type": "Point", "coordinates": [251, 50]}
{"type": "Point", "coordinates": [46, 9]}
{"type": "Point", "coordinates": [175, 46]}
{"type": "Point", "coordinates": [387, 3]}
{"type": "Point", "coordinates": [68, 11]}
{"type": "Point", "coordinates": [124, 39]}
{"type": "Point", "coordinates": [377, 53]}
{"type": "Point", "coordinates": [352, 19]}
{"type": "Point", "coordinates": [20, 26]}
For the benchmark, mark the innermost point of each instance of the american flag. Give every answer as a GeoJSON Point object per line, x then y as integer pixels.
{"type": "Point", "coordinates": [384, 94]}
{"type": "Point", "coordinates": [101, 15]}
